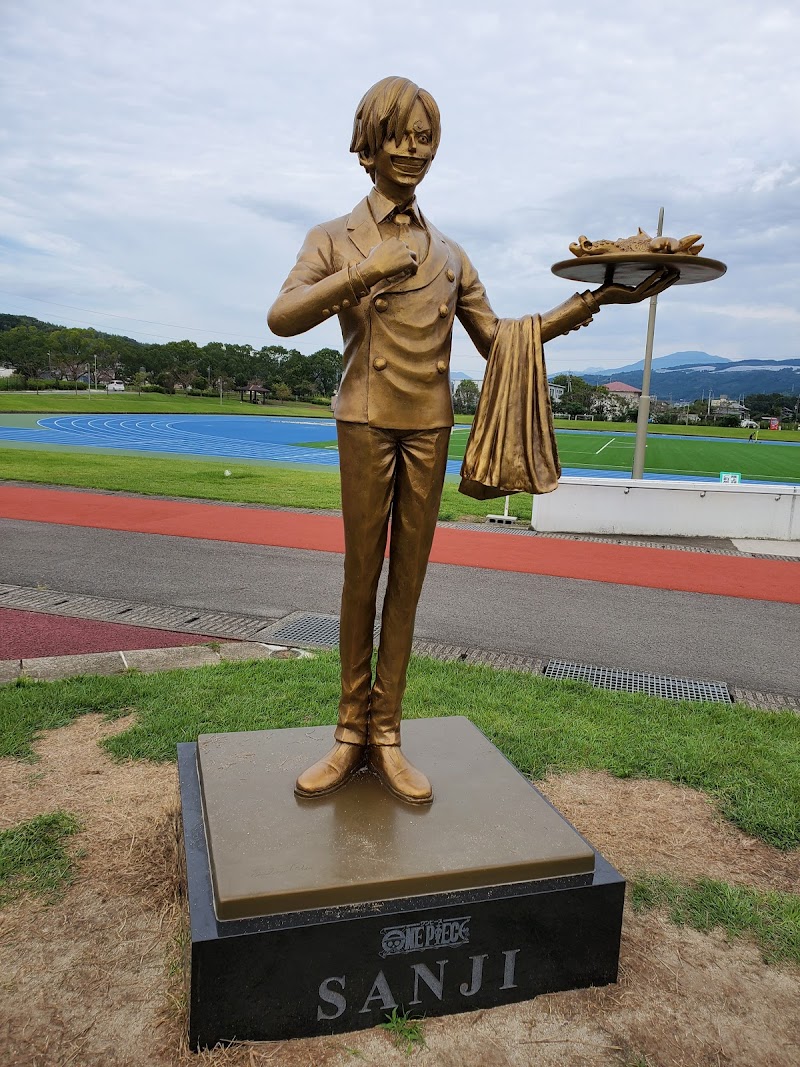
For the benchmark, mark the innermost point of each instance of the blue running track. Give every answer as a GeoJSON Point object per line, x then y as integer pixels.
{"type": "Point", "coordinates": [267, 439]}
{"type": "Point", "coordinates": [272, 440]}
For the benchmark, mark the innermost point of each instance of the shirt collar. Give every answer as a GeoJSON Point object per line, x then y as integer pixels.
{"type": "Point", "coordinates": [381, 206]}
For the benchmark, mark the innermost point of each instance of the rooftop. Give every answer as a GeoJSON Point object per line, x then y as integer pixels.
{"type": "Point", "coordinates": [622, 387]}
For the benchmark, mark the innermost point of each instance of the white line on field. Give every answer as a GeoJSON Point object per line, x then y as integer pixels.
{"type": "Point", "coordinates": [600, 449]}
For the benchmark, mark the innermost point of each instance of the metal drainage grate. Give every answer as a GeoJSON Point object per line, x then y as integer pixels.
{"type": "Point", "coordinates": [657, 685]}
{"type": "Point", "coordinates": [184, 620]}
{"type": "Point", "coordinates": [306, 628]}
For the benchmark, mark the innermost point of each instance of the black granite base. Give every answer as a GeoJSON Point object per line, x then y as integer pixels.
{"type": "Point", "coordinates": [330, 970]}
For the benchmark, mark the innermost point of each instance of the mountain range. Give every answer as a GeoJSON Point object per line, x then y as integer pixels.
{"type": "Point", "coordinates": [673, 359]}
{"type": "Point", "coordinates": [686, 376]}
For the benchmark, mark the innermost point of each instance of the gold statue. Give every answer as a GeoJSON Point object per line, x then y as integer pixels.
{"type": "Point", "coordinates": [396, 284]}
{"type": "Point", "coordinates": [640, 242]}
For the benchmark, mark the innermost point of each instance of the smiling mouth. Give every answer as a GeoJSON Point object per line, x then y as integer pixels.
{"type": "Point", "coordinates": [409, 164]}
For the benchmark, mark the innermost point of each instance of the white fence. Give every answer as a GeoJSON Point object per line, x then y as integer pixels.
{"type": "Point", "coordinates": [667, 508]}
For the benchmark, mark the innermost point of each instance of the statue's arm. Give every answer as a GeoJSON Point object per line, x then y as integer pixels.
{"type": "Point", "coordinates": [314, 290]}
{"type": "Point", "coordinates": [571, 315]}
{"type": "Point", "coordinates": [579, 309]}
{"type": "Point", "coordinates": [480, 322]}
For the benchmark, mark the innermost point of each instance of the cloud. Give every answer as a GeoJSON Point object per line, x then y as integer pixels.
{"type": "Point", "coordinates": [777, 176]}
{"type": "Point", "coordinates": [282, 212]}
{"type": "Point", "coordinates": [163, 161]}
{"type": "Point", "coordinates": [750, 312]}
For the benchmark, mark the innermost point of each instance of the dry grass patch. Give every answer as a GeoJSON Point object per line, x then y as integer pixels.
{"type": "Point", "coordinates": [645, 825]}
{"type": "Point", "coordinates": [97, 979]}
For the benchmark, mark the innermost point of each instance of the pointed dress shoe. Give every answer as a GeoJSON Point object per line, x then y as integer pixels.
{"type": "Point", "coordinates": [399, 776]}
{"type": "Point", "coordinates": [332, 771]}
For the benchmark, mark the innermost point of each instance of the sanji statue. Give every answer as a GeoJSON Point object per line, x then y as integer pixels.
{"type": "Point", "coordinates": [396, 284]}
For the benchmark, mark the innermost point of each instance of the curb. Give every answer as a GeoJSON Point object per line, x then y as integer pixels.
{"type": "Point", "coordinates": [144, 660]}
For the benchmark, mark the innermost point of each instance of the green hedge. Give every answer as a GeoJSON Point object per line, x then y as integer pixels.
{"type": "Point", "coordinates": [15, 381]}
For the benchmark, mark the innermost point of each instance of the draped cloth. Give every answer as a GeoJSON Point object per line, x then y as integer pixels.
{"type": "Point", "coordinates": [512, 446]}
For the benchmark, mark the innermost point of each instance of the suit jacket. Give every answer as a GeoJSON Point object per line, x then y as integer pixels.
{"type": "Point", "coordinates": [396, 338]}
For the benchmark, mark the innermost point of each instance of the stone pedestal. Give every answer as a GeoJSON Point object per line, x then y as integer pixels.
{"type": "Point", "coordinates": [317, 917]}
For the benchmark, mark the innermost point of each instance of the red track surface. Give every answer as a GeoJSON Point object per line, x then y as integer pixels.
{"type": "Point", "coordinates": [736, 576]}
{"type": "Point", "coordinates": [30, 634]}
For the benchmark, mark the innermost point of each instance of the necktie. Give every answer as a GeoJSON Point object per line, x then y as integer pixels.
{"type": "Point", "coordinates": [409, 235]}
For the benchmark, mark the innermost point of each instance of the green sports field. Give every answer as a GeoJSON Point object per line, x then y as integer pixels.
{"type": "Point", "coordinates": [698, 457]}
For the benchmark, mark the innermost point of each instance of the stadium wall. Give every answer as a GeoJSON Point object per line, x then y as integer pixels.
{"type": "Point", "coordinates": [669, 509]}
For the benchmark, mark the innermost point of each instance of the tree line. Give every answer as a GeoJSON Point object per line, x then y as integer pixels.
{"type": "Point", "coordinates": [43, 351]}
{"type": "Point", "coordinates": [582, 398]}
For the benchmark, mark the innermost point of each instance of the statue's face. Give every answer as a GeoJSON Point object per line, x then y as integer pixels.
{"type": "Point", "coordinates": [402, 165]}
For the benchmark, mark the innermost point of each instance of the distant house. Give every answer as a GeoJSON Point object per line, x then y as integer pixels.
{"type": "Point", "coordinates": [621, 399]}
{"type": "Point", "coordinates": [623, 390]}
{"type": "Point", "coordinates": [723, 406]}
{"type": "Point", "coordinates": [556, 392]}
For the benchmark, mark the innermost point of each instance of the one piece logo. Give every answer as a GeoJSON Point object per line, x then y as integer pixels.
{"type": "Point", "coordinates": [431, 933]}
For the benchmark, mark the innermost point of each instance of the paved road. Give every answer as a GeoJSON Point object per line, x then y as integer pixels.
{"type": "Point", "coordinates": [752, 644]}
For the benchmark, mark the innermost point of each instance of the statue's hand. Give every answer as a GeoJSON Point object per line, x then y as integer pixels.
{"type": "Point", "coordinates": [387, 259]}
{"type": "Point", "coordinates": [654, 284]}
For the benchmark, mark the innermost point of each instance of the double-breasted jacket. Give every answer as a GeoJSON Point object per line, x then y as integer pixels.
{"type": "Point", "coordinates": [397, 337]}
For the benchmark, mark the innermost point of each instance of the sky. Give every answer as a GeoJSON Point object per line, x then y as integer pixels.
{"type": "Point", "coordinates": [161, 162]}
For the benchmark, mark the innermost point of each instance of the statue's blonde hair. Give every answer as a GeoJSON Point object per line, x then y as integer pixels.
{"type": "Point", "coordinates": [383, 112]}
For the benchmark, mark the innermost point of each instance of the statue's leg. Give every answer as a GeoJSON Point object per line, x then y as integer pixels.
{"type": "Point", "coordinates": [367, 466]}
{"type": "Point", "coordinates": [421, 464]}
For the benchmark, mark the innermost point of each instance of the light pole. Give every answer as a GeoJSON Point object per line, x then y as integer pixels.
{"type": "Point", "coordinates": [644, 399]}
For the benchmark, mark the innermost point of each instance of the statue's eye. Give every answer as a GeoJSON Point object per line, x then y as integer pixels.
{"type": "Point", "coordinates": [424, 138]}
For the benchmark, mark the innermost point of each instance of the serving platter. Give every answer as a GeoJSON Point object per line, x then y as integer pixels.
{"type": "Point", "coordinates": [631, 268]}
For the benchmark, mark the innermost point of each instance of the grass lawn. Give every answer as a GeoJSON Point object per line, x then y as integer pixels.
{"type": "Point", "coordinates": [667, 455]}
{"type": "Point", "coordinates": [746, 760]}
{"type": "Point", "coordinates": [684, 997]}
{"type": "Point", "coordinates": [734, 432]}
{"type": "Point", "coordinates": [34, 859]}
{"type": "Point", "coordinates": [773, 919]}
{"type": "Point", "coordinates": [204, 479]}
{"type": "Point", "coordinates": [149, 404]}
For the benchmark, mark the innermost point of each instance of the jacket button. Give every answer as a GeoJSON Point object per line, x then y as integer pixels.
{"type": "Point", "coordinates": [441, 366]}
{"type": "Point", "coordinates": [379, 363]}
{"type": "Point", "coordinates": [444, 311]}
{"type": "Point", "coordinates": [326, 312]}
{"type": "Point", "coordinates": [381, 304]}
{"type": "Point", "coordinates": [335, 309]}
{"type": "Point", "coordinates": [451, 274]}
{"type": "Point", "coordinates": [345, 303]}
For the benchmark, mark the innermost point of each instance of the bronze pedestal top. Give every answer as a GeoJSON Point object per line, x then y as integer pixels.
{"type": "Point", "coordinates": [272, 852]}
